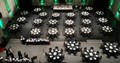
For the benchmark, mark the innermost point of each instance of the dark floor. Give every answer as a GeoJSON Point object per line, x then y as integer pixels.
{"type": "Point", "coordinates": [25, 28]}
{"type": "Point", "coordinates": [39, 51]}
{"type": "Point", "coordinates": [94, 40]}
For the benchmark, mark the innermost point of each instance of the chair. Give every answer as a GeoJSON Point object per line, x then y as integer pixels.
{"type": "Point", "coordinates": [85, 48]}
{"type": "Point", "coordinates": [97, 52]}
{"type": "Point", "coordinates": [100, 57]}
{"type": "Point", "coordinates": [61, 50]}
{"type": "Point", "coordinates": [50, 49]}
{"type": "Point", "coordinates": [56, 47]}
{"type": "Point", "coordinates": [91, 48]}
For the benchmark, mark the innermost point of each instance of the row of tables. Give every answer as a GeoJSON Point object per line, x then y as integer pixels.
{"type": "Point", "coordinates": [39, 10]}
{"type": "Point", "coordinates": [15, 60]}
{"type": "Point", "coordinates": [68, 22]}
{"type": "Point", "coordinates": [68, 31]}
{"type": "Point", "coordinates": [88, 55]}
{"type": "Point", "coordinates": [31, 40]}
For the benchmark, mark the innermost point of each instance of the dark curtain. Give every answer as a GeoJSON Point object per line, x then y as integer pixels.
{"type": "Point", "coordinates": [101, 4]}
{"type": "Point", "coordinates": [25, 4]}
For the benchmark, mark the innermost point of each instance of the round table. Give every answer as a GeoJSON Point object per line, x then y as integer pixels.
{"type": "Point", "coordinates": [91, 55]}
{"type": "Point", "coordinates": [102, 20]}
{"type": "Point", "coordinates": [37, 10]}
{"type": "Point", "coordinates": [22, 38]}
{"type": "Point", "coordinates": [55, 15]}
{"type": "Point", "coordinates": [14, 27]}
{"type": "Point", "coordinates": [37, 21]}
{"type": "Point", "coordinates": [21, 19]}
{"type": "Point", "coordinates": [85, 13]}
{"type": "Point", "coordinates": [69, 22]}
{"type": "Point", "coordinates": [71, 14]}
{"type": "Point", "coordinates": [111, 48]}
{"type": "Point", "coordinates": [24, 13]}
{"type": "Point", "coordinates": [86, 21]}
{"type": "Point", "coordinates": [89, 8]}
{"type": "Point", "coordinates": [52, 21]}
{"type": "Point", "coordinates": [35, 32]}
{"type": "Point", "coordinates": [69, 31]}
{"type": "Point", "coordinates": [72, 45]}
{"type": "Point", "coordinates": [43, 14]}
{"type": "Point", "coordinates": [55, 54]}
{"type": "Point", "coordinates": [86, 30]}
{"type": "Point", "coordinates": [52, 31]}
{"type": "Point", "coordinates": [99, 12]}
{"type": "Point", "coordinates": [107, 29]}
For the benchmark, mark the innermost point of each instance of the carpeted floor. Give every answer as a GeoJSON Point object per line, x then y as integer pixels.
{"type": "Point", "coordinates": [25, 28]}
{"type": "Point", "coordinates": [39, 51]}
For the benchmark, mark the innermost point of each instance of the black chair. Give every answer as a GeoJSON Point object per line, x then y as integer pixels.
{"type": "Point", "coordinates": [50, 49]}
{"type": "Point", "coordinates": [85, 48]}
{"type": "Point", "coordinates": [100, 57]}
{"type": "Point", "coordinates": [91, 48]}
{"type": "Point", "coordinates": [56, 47]}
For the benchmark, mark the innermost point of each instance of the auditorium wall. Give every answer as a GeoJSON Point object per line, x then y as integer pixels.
{"type": "Point", "coordinates": [50, 2]}
{"type": "Point", "coordinates": [115, 7]}
{"type": "Point", "coordinates": [5, 14]}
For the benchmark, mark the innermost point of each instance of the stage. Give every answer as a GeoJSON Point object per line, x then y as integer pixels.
{"type": "Point", "coordinates": [62, 7]}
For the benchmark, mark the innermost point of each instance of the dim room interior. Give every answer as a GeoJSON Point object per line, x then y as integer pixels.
{"type": "Point", "coordinates": [59, 31]}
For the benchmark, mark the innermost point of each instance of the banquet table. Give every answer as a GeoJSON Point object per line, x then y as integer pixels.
{"type": "Point", "coordinates": [55, 55]}
{"type": "Point", "coordinates": [53, 22]}
{"type": "Point", "coordinates": [69, 22]}
{"type": "Point", "coordinates": [38, 22]}
{"type": "Point", "coordinates": [62, 7]}
{"type": "Point", "coordinates": [37, 10]}
{"type": "Point", "coordinates": [110, 48]}
{"type": "Point", "coordinates": [86, 21]}
{"type": "Point", "coordinates": [35, 32]}
{"type": "Point", "coordinates": [71, 15]}
{"type": "Point", "coordinates": [17, 60]}
{"type": "Point", "coordinates": [24, 13]}
{"type": "Point", "coordinates": [99, 13]}
{"type": "Point", "coordinates": [86, 30]}
{"type": "Point", "coordinates": [90, 55]}
{"type": "Point", "coordinates": [88, 8]}
{"type": "Point", "coordinates": [14, 27]}
{"type": "Point", "coordinates": [21, 19]}
{"type": "Point", "coordinates": [43, 14]}
{"type": "Point", "coordinates": [107, 29]}
{"type": "Point", "coordinates": [103, 20]}
{"type": "Point", "coordinates": [85, 13]}
{"type": "Point", "coordinates": [69, 31]}
{"type": "Point", "coordinates": [56, 15]}
{"type": "Point", "coordinates": [37, 41]}
{"type": "Point", "coordinates": [72, 45]}
{"type": "Point", "coordinates": [53, 31]}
